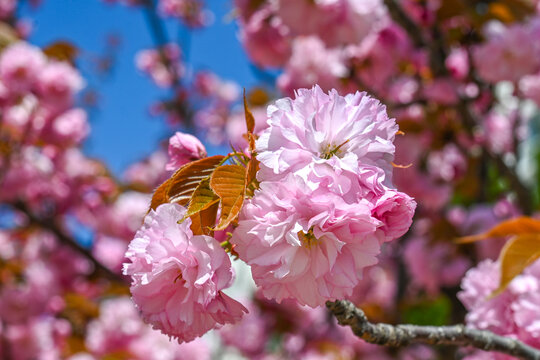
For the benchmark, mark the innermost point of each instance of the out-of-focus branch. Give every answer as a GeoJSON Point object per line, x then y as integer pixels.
{"type": "Point", "coordinates": [159, 34]}
{"type": "Point", "coordinates": [469, 119]}
{"type": "Point", "coordinates": [51, 226]}
{"type": "Point", "coordinates": [401, 335]}
{"type": "Point", "coordinates": [522, 192]}
{"type": "Point", "coordinates": [400, 16]}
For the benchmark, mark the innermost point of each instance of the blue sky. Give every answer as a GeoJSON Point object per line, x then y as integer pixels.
{"type": "Point", "coordinates": [123, 131]}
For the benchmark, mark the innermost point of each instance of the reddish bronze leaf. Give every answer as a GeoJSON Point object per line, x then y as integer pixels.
{"type": "Point", "coordinates": [516, 255]}
{"type": "Point", "coordinates": [181, 185]}
{"type": "Point", "coordinates": [160, 195]}
{"type": "Point", "coordinates": [61, 50]}
{"type": "Point", "coordinates": [517, 226]}
{"type": "Point", "coordinates": [202, 222]}
{"type": "Point", "coordinates": [203, 197]}
{"type": "Point", "coordinates": [250, 120]}
{"type": "Point", "coordinates": [229, 183]}
{"type": "Point", "coordinates": [188, 177]}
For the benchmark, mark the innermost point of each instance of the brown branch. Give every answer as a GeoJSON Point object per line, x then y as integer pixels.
{"type": "Point", "coordinates": [404, 334]}
{"type": "Point", "coordinates": [51, 226]}
{"type": "Point", "coordinates": [159, 34]}
{"type": "Point", "coordinates": [400, 16]}
{"type": "Point", "coordinates": [437, 52]}
{"type": "Point", "coordinates": [523, 194]}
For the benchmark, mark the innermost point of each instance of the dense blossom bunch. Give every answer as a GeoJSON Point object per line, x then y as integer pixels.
{"type": "Point", "coordinates": [503, 56]}
{"type": "Point", "coordinates": [323, 208]}
{"type": "Point", "coordinates": [163, 65]}
{"type": "Point", "coordinates": [307, 198]}
{"type": "Point", "coordinates": [178, 278]}
{"type": "Point", "coordinates": [190, 11]}
{"type": "Point", "coordinates": [512, 313]}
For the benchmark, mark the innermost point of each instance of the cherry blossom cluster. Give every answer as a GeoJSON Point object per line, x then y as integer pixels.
{"type": "Point", "coordinates": [192, 13]}
{"type": "Point", "coordinates": [324, 207]}
{"type": "Point", "coordinates": [320, 221]}
{"type": "Point", "coordinates": [513, 313]}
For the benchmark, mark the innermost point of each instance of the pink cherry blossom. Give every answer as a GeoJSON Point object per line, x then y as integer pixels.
{"type": "Point", "coordinates": [328, 129]}
{"type": "Point", "coordinates": [163, 65]}
{"type": "Point", "coordinates": [184, 148]}
{"type": "Point", "coordinates": [432, 266]}
{"type": "Point", "coordinates": [178, 278]}
{"type": "Point", "coordinates": [530, 87]}
{"type": "Point", "coordinates": [306, 245]}
{"type": "Point", "coordinates": [336, 22]}
{"type": "Point", "coordinates": [503, 56]}
{"type": "Point", "coordinates": [20, 65]}
{"type": "Point", "coordinates": [150, 172]}
{"type": "Point", "coordinates": [312, 63]}
{"type": "Point", "coordinates": [119, 329]}
{"type": "Point", "coordinates": [190, 11]}
{"type": "Point", "coordinates": [7, 7]}
{"type": "Point", "coordinates": [498, 131]}
{"type": "Point", "coordinates": [70, 127]}
{"type": "Point", "coordinates": [447, 164]}
{"type": "Point", "coordinates": [513, 312]}
{"type": "Point", "coordinates": [265, 39]}
{"type": "Point", "coordinates": [254, 328]}
{"type": "Point", "coordinates": [395, 210]}
{"type": "Point", "coordinates": [57, 83]}
{"type": "Point", "coordinates": [457, 63]}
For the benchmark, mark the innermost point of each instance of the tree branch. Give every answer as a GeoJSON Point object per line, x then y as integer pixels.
{"type": "Point", "coordinates": [437, 56]}
{"type": "Point", "coordinates": [400, 16]}
{"type": "Point", "coordinates": [50, 225]}
{"type": "Point", "coordinates": [401, 335]}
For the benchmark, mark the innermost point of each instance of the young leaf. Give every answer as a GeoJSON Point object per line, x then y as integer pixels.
{"type": "Point", "coordinates": [229, 183]}
{"type": "Point", "coordinates": [250, 120]}
{"type": "Point", "coordinates": [188, 177]}
{"type": "Point", "coordinates": [181, 185]}
{"type": "Point", "coordinates": [203, 222]}
{"type": "Point", "coordinates": [203, 197]}
{"type": "Point", "coordinates": [62, 51]}
{"type": "Point", "coordinates": [516, 255]}
{"type": "Point", "coordinates": [160, 195]}
{"type": "Point", "coordinates": [517, 226]}
{"type": "Point", "coordinates": [251, 172]}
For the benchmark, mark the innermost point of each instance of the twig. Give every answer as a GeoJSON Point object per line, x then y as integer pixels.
{"type": "Point", "coordinates": [401, 335]}
{"type": "Point", "coordinates": [50, 225]}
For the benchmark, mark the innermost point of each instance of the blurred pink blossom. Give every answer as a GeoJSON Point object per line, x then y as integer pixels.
{"type": "Point", "coordinates": [312, 63]}
{"type": "Point", "coordinates": [512, 313]}
{"type": "Point", "coordinates": [266, 39]}
{"type": "Point", "coordinates": [20, 66]}
{"type": "Point", "coordinates": [163, 65]}
{"type": "Point", "coordinates": [503, 56]}
{"type": "Point", "coordinates": [57, 84]}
